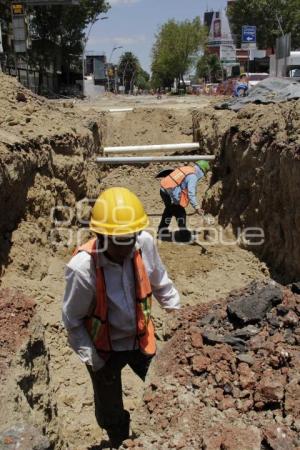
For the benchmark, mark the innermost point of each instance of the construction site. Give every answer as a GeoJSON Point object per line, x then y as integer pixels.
{"type": "Point", "coordinates": [226, 374]}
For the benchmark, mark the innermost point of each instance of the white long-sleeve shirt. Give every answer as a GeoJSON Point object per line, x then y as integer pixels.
{"type": "Point", "coordinates": [80, 298]}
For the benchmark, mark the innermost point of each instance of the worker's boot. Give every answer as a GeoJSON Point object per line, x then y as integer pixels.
{"type": "Point", "coordinates": [119, 433]}
{"type": "Point", "coordinates": [183, 235]}
{"type": "Point", "coordinates": [164, 234]}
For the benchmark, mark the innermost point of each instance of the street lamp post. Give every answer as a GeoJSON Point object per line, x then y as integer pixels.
{"type": "Point", "coordinates": [84, 44]}
{"type": "Point", "coordinates": [108, 81]}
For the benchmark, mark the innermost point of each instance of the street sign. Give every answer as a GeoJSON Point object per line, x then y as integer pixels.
{"type": "Point", "coordinates": [249, 34]}
{"type": "Point", "coordinates": [17, 9]}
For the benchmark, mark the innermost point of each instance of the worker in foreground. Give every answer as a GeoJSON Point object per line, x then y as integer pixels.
{"type": "Point", "coordinates": [107, 302]}
{"type": "Point", "coordinates": [177, 190]}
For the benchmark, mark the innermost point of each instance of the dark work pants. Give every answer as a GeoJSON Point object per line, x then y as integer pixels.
{"type": "Point", "coordinates": [107, 385]}
{"type": "Point", "coordinates": [171, 210]}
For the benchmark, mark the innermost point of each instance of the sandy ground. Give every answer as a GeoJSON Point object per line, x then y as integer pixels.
{"type": "Point", "coordinates": [200, 277]}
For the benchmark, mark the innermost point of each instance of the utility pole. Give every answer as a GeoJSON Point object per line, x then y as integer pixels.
{"type": "Point", "coordinates": [108, 66]}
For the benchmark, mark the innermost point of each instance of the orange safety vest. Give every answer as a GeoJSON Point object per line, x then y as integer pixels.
{"type": "Point", "coordinates": [175, 179]}
{"type": "Point", "coordinates": [98, 323]}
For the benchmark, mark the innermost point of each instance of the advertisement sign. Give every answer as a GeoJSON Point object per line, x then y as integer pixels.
{"type": "Point", "coordinates": [17, 9]}
{"type": "Point", "coordinates": [249, 34]}
{"type": "Point", "coordinates": [227, 53]}
{"type": "Point", "coordinates": [219, 32]}
{"type": "Point", "coordinates": [217, 28]}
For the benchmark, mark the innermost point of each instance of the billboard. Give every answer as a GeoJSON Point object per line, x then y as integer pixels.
{"type": "Point", "coordinates": [219, 30]}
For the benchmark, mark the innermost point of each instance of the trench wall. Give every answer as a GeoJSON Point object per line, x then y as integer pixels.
{"type": "Point", "coordinates": [256, 178]}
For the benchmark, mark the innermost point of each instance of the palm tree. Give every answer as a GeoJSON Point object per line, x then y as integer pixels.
{"type": "Point", "coordinates": [128, 69]}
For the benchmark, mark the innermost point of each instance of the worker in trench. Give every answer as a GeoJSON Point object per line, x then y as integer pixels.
{"type": "Point", "coordinates": [177, 190]}
{"type": "Point", "coordinates": [107, 302]}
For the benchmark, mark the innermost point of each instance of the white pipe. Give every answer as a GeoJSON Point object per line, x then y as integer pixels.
{"type": "Point", "coordinates": [153, 159]}
{"type": "Point", "coordinates": [152, 148]}
{"type": "Point", "coordinates": [120, 110]}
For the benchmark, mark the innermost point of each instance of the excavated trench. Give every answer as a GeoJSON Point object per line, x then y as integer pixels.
{"type": "Point", "coordinates": [47, 174]}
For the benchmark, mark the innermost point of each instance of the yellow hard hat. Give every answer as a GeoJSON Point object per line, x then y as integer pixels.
{"type": "Point", "coordinates": [118, 212]}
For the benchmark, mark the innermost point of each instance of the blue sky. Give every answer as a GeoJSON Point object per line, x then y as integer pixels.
{"type": "Point", "coordinates": [134, 23]}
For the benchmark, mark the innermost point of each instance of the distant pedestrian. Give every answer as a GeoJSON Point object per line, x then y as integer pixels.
{"type": "Point", "coordinates": [241, 87]}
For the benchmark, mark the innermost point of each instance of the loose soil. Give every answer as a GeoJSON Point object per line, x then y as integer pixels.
{"type": "Point", "coordinates": [51, 164]}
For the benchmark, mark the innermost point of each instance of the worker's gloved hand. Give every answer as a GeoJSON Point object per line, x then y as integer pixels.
{"type": "Point", "coordinates": [199, 211]}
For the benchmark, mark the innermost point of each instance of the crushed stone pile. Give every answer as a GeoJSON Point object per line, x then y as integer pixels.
{"type": "Point", "coordinates": [229, 376]}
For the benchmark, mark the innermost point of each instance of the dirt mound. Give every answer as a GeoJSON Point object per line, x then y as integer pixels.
{"type": "Point", "coordinates": [47, 165]}
{"type": "Point", "coordinates": [256, 180]}
{"type": "Point", "coordinates": [228, 378]}
{"type": "Point", "coordinates": [24, 115]}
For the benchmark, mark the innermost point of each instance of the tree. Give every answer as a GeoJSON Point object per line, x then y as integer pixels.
{"type": "Point", "coordinates": [175, 48]}
{"type": "Point", "coordinates": [128, 70]}
{"type": "Point", "coordinates": [210, 68]}
{"type": "Point", "coordinates": [5, 20]}
{"type": "Point", "coordinates": [271, 17]}
{"type": "Point", "coordinates": [57, 33]}
{"type": "Point", "coordinates": [143, 79]}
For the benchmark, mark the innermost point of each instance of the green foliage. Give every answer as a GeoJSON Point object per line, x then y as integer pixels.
{"type": "Point", "coordinates": [266, 15]}
{"type": "Point", "coordinates": [57, 33]}
{"type": "Point", "coordinates": [5, 11]}
{"type": "Point", "coordinates": [174, 50]}
{"type": "Point", "coordinates": [209, 68]}
{"type": "Point", "coordinates": [143, 80]}
{"type": "Point", "coordinates": [131, 73]}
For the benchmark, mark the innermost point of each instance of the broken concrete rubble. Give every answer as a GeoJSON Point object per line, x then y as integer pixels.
{"type": "Point", "coordinates": [222, 397]}
{"type": "Point", "coordinates": [253, 308]}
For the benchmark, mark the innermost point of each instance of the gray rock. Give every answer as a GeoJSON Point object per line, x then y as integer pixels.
{"type": "Point", "coordinates": [246, 358]}
{"type": "Point", "coordinates": [212, 338]}
{"type": "Point", "coordinates": [246, 332]}
{"type": "Point", "coordinates": [253, 308]}
{"type": "Point", "coordinates": [235, 342]}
